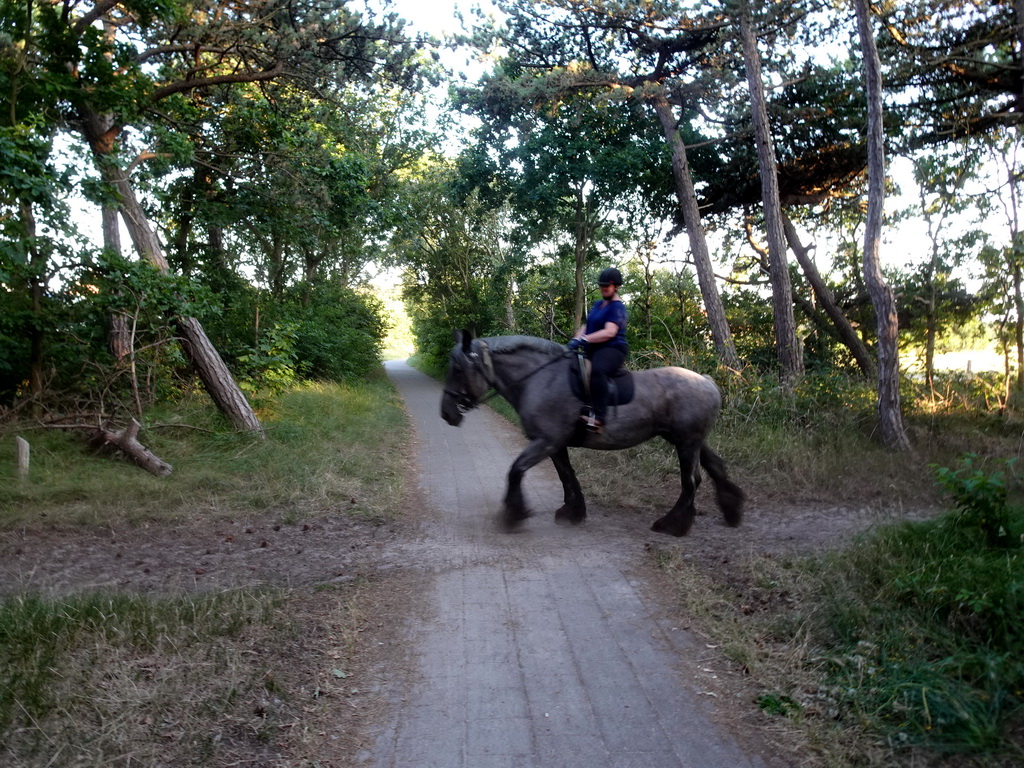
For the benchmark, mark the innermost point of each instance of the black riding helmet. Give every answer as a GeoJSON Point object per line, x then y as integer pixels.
{"type": "Point", "coordinates": [610, 276]}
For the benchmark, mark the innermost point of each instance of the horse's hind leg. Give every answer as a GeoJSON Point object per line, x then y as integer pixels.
{"type": "Point", "coordinates": [574, 510]}
{"type": "Point", "coordinates": [730, 496]}
{"type": "Point", "coordinates": [679, 519]}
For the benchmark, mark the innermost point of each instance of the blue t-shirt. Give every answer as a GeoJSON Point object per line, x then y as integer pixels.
{"type": "Point", "coordinates": [612, 312]}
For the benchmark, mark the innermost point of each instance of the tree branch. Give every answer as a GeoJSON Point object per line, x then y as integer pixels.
{"type": "Point", "coordinates": [97, 12]}
{"type": "Point", "coordinates": [203, 82]}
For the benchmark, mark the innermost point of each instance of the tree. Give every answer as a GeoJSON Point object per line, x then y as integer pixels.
{"type": "Point", "coordinates": [1003, 260]}
{"type": "Point", "coordinates": [787, 344]}
{"type": "Point", "coordinates": [961, 64]}
{"type": "Point", "coordinates": [558, 47]}
{"type": "Point", "coordinates": [893, 433]}
{"type": "Point", "coordinates": [932, 293]}
{"type": "Point", "coordinates": [575, 174]}
{"type": "Point", "coordinates": [107, 66]}
{"type": "Point", "coordinates": [452, 254]}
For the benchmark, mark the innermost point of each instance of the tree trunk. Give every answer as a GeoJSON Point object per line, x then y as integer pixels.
{"type": "Point", "coordinates": [583, 236]}
{"type": "Point", "coordinates": [845, 332]}
{"type": "Point", "coordinates": [1018, 303]}
{"type": "Point", "coordinates": [111, 229]}
{"type": "Point", "coordinates": [127, 441]}
{"type": "Point", "coordinates": [1018, 12]}
{"type": "Point", "coordinates": [120, 338]}
{"type": "Point", "coordinates": [100, 133]}
{"type": "Point", "coordinates": [787, 345]}
{"type": "Point", "coordinates": [894, 434]}
{"type": "Point", "coordinates": [36, 290]}
{"type": "Point", "coordinates": [216, 377]}
{"type": "Point", "coordinates": [720, 333]}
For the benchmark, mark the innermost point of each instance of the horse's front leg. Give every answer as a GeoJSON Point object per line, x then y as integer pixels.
{"type": "Point", "coordinates": [515, 506]}
{"type": "Point", "coordinates": [679, 519]}
{"type": "Point", "coordinates": [574, 510]}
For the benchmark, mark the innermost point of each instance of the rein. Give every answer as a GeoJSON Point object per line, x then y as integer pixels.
{"type": "Point", "coordinates": [465, 404]}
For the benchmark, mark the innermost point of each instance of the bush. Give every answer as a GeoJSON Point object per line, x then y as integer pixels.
{"type": "Point", "coordinates": [339, 334]}
{"type": "Point", "coordinates": [323, 333]}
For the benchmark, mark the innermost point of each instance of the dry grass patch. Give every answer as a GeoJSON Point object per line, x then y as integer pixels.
{"type": "Point", "coordinates": [271, 678]}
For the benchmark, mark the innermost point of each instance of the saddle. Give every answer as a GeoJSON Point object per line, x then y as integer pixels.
{"type": "Point", "coordinates": [620, 385]}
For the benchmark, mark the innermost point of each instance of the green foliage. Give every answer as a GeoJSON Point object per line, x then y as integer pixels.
{"type": "Point", "coordinates": [777, 704]}
{"type": "Point", "coordinates": [74, 324]}
{"type": "Point", "coordinates": [270, 366]}
{"type": "Point", "coordinates": [457, 270]}
{"type": "Point", "coordinates": [325, 332]}
{"type": "Point", "coordinates": [666, 320]}
{"type": "Point", "coordinates": [981, 499]}
{"type": "Point", "coordinates": [927, 639]}
{"type": "Point", "coordinates": [341, 334]}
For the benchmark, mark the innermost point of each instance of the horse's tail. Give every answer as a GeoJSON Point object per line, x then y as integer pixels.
{"type": "Point", "coordinates": [730, 496]}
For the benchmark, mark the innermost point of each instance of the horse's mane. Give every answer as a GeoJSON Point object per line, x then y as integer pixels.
{"type": "Point", "coordinates": [506, 344]}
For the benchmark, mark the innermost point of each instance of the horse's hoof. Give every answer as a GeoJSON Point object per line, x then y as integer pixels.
{"type": "Point", "coordinates": [513, 520]}
{"type": "Point", "coordinates": [566, 515]}
{"type": "Point", "coordinates": [664, 525]}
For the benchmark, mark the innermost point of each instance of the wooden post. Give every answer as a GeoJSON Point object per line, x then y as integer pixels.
{"type": "Point", "coordinates": [22, 453]}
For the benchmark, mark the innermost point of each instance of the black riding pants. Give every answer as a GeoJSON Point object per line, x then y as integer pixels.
{"type": "Point", "coordinates": [604, 361]}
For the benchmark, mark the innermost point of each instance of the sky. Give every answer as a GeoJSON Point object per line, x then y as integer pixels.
{"type": "Point", "coordinates": [433, 16]}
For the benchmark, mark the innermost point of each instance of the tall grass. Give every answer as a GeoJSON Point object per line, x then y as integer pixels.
{"type": "Point", "coordinates": [79, 661]}
{"type": "Point", "coordinates": [326, 444]}
{"type": "Point", "coordinates": [927, 642]}
{"type": "Point", "coordinates": [923, 636]}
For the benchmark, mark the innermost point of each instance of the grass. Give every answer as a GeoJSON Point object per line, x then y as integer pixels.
{"type": "Point", "coordinates": [236, 676]}
{"type": "Point", "coordinates": [921, 636]}
{"type": "Point", "coordinates": [325, 444]}
{"type": "Point", "coordinates": [104, 679]}
{"type": "Point", "coordinates": [85, 671]}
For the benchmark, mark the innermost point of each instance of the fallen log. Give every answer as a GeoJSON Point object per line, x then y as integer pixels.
{"type": "Point", "coordinates": [127, 442]}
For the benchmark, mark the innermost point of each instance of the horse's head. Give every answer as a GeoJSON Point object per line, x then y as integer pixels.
{"type": "Point", "coordinates": [465, 382]}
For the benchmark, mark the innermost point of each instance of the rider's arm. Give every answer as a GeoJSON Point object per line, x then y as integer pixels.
{"type": "Point", "coordinates": [607, 333]}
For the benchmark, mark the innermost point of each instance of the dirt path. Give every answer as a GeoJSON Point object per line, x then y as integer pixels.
{"type": "Point", "coordinates": [540, 648]}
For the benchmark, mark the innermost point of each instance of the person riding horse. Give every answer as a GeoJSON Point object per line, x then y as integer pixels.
{"type": "Point", "coordinates": [603, 341]}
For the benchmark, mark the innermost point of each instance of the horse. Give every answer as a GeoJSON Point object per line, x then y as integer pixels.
{"type": "Point", "coordinates": [532, 374]}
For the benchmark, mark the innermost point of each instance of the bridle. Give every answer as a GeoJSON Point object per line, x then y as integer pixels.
{"type": "Point", "coordinates": [464, 402]}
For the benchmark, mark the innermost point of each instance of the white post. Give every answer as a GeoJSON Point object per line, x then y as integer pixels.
{"type": "Point", "coordinates": [22, 453]}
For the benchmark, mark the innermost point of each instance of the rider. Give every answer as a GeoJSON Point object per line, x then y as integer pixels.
{"type": "Point", "coordinates": [603, 339]}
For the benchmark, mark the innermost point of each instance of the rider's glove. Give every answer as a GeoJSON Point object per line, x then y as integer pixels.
{"type": "Point", "coordinates": [578, 343]}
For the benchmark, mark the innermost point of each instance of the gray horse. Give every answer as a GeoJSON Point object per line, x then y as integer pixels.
{"type": "Point", "coordinates": [532, 374]}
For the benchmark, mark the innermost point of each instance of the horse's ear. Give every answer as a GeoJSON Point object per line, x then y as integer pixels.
{"type": "Point", "coordinates": [467, 341]}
